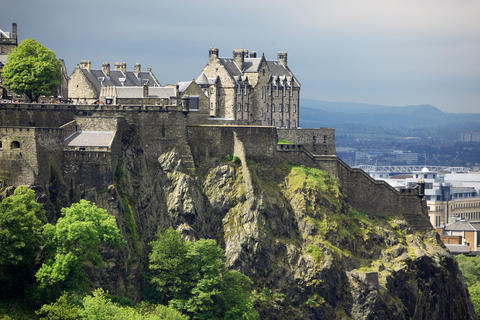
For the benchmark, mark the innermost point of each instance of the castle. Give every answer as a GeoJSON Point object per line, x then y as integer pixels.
{"type": "Point", "coordinates": [240, 106]}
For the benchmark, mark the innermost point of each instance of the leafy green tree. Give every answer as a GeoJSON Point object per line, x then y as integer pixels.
{"type": "Point", "coordinates": [21, 221]}
{"type": "Point", "coordinates": [31, 69]}
{"type": "Point", "coordinates": [192, 277]}
{"type": "Point", "coordinates": [67, 307]}
{"type": "Point", "coordinates": [470, 267]}
{"type": "Point", "coordinates": [74, 239]}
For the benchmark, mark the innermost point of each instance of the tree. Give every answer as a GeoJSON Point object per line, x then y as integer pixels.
{"type": "Point", "coordinates": [21, 221]}
{"type": "Point", "coordinates": [192, 278]}
{"type": "Point", "coordinates": [76, 238]}
{"type": "Point", "coordinates": [31, 69]}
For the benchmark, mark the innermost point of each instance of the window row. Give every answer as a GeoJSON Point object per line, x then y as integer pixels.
{"type": "Point", "coordinates": [280, 108]}
{"type": "Point", "coordinates": [276, 91]}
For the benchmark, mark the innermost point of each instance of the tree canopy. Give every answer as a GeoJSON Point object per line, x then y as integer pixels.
{"type": "Point", "coordinates": [74, 239]}
{"type": "Point", "coordinates": [192, 278]}
{"type": "Point", "coordinates": [21, 221]}
{"type": "Point", "coordinates": [31, 69]}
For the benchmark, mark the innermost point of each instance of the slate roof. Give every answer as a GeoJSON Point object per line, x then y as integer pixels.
{"type": "Point", "coordinates": [463, 226]}
{"type": "Point", "coordinates": [457, 248]}
{"type": "Point", "coordinates": [91, 139]}
{"type": "Point", "coordinates": [130, 79]}
{"type": "Point", "coordinates": [251, 65]}
{"type": "Point", "coordinates": [204, 80]}
{"type": "Point", "coordinates": [183, 85]}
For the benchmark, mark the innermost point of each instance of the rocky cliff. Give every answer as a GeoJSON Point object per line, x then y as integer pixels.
{"type": "Point", "coordinates": [289, 228]}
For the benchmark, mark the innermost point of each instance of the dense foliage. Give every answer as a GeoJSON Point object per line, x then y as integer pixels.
{"type": "Point", "coordinates": [192, 277]}
{"type": "Point", "coordinates": [470, 267]}
{"type": "Point", "coordinates": [74, 239]}
{"type": "Point", "coordinates": [99, 306]}
{"type": "Point", "coordinates": [31, 69]}
{"type": "Point", "coordinates": [21, 220]}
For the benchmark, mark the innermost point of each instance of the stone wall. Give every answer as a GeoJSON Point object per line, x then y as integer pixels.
{"type": "Point", "coordinates": [210, 141]}
{"type": "Point", "coordinates": [318, 141]}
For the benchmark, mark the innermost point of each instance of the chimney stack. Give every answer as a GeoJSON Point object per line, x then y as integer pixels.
{"type": "Point", "coordinates": [86, 64]}
{"type": "Point", "coordinates": [121, 66]}
{"type": "Point", "coordinates": [282, 57]}
{"type": "Point", "coordinates": [14, 31]}
{"type": "Point", "coordinates": [145, 91]}
{"type": "Point", "coordinates": [106, 68]}
{"type": "Point", "coordinates": [253, 54]}
{"type": "Point", "coordinates": [212, 53]}
{"type": "Point", "coordinates": [137, 69]}
{"type": "Point", "coordinates": [238, 57]}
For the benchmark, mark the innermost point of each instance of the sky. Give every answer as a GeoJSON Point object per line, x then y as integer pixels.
{"type": "Point", "coordinates": [390, 52]}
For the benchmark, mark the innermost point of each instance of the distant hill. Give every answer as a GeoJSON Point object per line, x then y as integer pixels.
{"type": "Point", "coordinates": [360, 117]}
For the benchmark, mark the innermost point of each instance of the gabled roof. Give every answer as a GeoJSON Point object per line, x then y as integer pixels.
{"type": "Point", "coordinates": [252, 65]}
{"type": "Point", "coordinates": [183, 85]}
{"type": "Point", "coordinates": [118, 79]}
{"type": "Point", "coordinates": [204, 80]}
{"type": "Point", "coordinates": [462, 225]}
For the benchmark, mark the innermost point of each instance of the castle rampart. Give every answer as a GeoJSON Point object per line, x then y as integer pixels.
{"type": "Point", "coordinates": [156, 129]}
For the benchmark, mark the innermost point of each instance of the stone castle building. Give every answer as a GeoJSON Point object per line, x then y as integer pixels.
{"type": "Point", "coordinates": [251, 89]}
{"type": "Point", "coordinates": [85, 84]}
{"type": "Point", "coordinates": [8, 42]}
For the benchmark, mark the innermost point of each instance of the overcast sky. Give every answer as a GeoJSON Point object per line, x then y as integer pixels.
{"type": "Point", "coordinates": [393, 52]}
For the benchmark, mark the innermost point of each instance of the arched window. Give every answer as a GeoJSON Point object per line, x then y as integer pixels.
{"type": "Point", "coordinates": [15, 145]}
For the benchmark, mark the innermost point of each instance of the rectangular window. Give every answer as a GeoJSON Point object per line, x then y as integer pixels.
{"type": "Point", "coordinates": [273, 107]}
{"type": "Point", "coordinates": [288, 123]}
{"type": "Point", "coordinates": [245, 90]}
{"type": "Point", "coordinates": [287, 107]}
{"type": "Point", "coordinates": [239, 107]}
{"type": "Point", "coordinates": [281, 123]}
{"type": "Point", "coordinates": [291, 92]}
{"type": "Point", "coordinates": [269, 90]}
{"type": "Point", "coordinates": [263, 92]}
{"type": "Point", "coordinates": [267, 107]}
{"type": "Point", "coordinates": [281, 107]}
{"type": "Point", "coordinates": [246, 107]}
{"type": "Point", "coordinates": [273, 122]}
{"type": "Point", "coordinates": [276, 91]}
{"type": "Point", "coordinates": [294, 108]}
{"type": "Point", "coordinates": [284, 91]}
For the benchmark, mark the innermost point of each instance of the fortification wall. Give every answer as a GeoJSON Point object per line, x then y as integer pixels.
{"type": "Point", "coordinates": [18, 155]}
{"type": "Point", "coordinates": [364, 193]}
{"type": "Point", "coordinates": [88, 168]}
{"type": "Point", "coordinates": [95, 123]}
{"type": "Point", "coordinates": [209, 141]}
{"type": "Point", "coordinates": [319, 141]}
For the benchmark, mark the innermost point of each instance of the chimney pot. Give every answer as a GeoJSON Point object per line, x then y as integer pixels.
{"type": "Point", "coordinates": [106, 68]}
{"type": "Point", "coordinates": [253, 54]}
{"type": "Point", "coordinates": [212, 53]}
{"type": "Point", "coordinates": [86, 64]}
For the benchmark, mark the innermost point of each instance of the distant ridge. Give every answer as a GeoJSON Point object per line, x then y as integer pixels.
{"type": "Point", "coordinates": [318, 113]}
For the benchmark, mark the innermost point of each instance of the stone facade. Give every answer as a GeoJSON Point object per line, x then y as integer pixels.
{"type": "Point", "coordinates": [248, 89]}
{"type": "Point", "coordinates": [85, 84]}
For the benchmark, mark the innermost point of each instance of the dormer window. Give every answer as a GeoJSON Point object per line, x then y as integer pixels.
{"type": "Point", "coordinates": [122, 81]}
{"type": "Point", "coordinates": [101, 80]}
{"type": "Point", "coordinates": [144, 81]}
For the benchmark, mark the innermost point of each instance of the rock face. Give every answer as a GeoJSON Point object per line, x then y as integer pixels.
{"type": "Point", "coordinates": [290, 229]}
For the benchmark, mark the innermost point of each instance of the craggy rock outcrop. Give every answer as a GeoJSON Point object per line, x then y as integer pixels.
{"type": "Point", "coordinates": [289, 228]}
